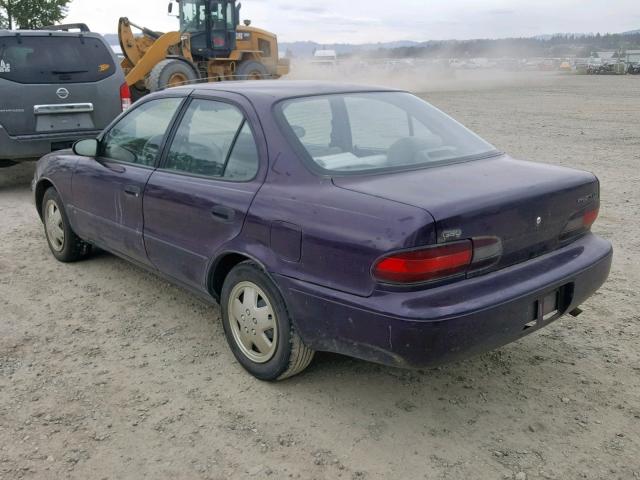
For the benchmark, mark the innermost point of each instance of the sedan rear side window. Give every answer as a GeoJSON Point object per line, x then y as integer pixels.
{"type": "Point", "coordinates": [314, 130]}
{"type": "Point", "coordinates": [362, 132]}
{"type": "Point", "coordinates": [214, 140]}
{"type": "Point", "coordinates": [138, 136]}
{"type": "Point", "coordinates": [54, 59]}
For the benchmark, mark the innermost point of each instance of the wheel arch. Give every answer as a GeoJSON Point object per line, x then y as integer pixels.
{"type": "Point", "coordinates": [223, 264]}
{"type": "Point", "coordinates": [41, 187]}
{"type": "Point", "coordinates": [248, 56]}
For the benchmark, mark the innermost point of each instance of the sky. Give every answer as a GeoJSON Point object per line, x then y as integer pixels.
{"type": "Point", "coordinates": [371, 21]}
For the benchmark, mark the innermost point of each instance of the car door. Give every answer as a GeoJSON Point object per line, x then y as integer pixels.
{"type": "Point", "coordinates": [198, 199]}
{"type": "Point", "coordinates": [107, 190]}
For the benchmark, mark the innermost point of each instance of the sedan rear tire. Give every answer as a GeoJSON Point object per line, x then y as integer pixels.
{"type": "Point", "coordinates": [258, 327]}
{"type": "Point", "coordinates": [64, 244]}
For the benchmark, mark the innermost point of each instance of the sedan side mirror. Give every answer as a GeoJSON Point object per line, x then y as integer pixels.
{"type": "Point", "coordinates": [86, 148]}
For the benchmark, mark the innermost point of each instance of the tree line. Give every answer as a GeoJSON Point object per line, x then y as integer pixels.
{"type": "Point", "coordinates": [31, 14]}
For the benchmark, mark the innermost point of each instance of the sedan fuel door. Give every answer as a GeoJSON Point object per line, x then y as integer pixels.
{"type": "Point", "coordinates": [198, 199]}
{"type": "Point", "coordinates": [108, 189]}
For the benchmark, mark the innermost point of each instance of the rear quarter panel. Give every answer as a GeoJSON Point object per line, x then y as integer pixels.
{"type": "Point", "coordinates": [302, 226]}
{"type": "Point", "coordinates": [340, 233]}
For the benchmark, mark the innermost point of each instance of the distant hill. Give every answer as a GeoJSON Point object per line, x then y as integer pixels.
{"type": "Point", "coordinates": [551, 35]}
{"type": "Point", "coordinates": [306, 49]}
{"type": "Point", "coordinates": [112, 38]}
{"type": "Point", "coordinates": [555, 45]}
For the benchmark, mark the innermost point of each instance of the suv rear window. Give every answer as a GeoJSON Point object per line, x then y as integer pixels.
{"type": "Point", "coordinates": [54, 59]}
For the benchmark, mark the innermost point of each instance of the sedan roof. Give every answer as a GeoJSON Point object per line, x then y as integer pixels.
{"type": "Point", "coordinates": [280, 89]}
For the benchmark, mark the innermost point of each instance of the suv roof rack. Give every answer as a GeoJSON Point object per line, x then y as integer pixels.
{"type": "Point", "coordinates": [69, 26]}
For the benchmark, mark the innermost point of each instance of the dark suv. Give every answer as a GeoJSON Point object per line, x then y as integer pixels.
{"type": "Point", "coordinates": [56, 87]}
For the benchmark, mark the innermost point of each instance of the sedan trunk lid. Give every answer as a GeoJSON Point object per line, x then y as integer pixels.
{"type": "Point", "coordinates": [526, 205]}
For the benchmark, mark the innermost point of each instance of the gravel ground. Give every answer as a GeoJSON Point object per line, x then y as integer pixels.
{"type": "Point", "coordinates": [107, 372]}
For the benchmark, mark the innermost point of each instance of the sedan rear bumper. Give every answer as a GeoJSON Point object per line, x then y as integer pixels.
{"type": "Point", "coordinates": [449, 322]}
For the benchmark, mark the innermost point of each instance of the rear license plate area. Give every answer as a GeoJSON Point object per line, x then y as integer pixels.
{"type": "Point", "coordinates": [549, 306]}
{"type": "Point", "coordinates": [63, 122]}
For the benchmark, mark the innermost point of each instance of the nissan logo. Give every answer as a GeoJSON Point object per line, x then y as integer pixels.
{"type": "Point", "coordinates": [62, 93]}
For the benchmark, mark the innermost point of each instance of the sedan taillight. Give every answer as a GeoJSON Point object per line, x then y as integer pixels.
{"type": "Point", "coordinates": [580, 223]}
{"type": "Point", "coordinates": [589, 217]}
{"type": "Point", "coordinates": [439, 262]}
{"type": "Point", "coordinates": [125, 96]}
{"type": "Point", "coordinates": [426, 264]}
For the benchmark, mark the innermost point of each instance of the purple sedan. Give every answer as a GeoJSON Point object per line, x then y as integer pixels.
{"type": "Point", "coordinates": [328, 217]}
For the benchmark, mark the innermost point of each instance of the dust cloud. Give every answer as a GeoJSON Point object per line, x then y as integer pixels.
{"type": "Point", "coordinates": [418, 75]}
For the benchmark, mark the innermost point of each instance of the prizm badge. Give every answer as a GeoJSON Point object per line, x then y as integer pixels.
{"type": "Point", "coordinates": [587, 198]}
{"type": "Point", "coordinates": [451, 234]}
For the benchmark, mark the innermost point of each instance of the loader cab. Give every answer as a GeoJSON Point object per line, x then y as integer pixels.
{"type": "Point", "coordinates": [211, 25]}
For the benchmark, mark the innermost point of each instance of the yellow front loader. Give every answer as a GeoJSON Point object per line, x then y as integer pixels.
{"type": "Point", "coordinates": [210, 46]}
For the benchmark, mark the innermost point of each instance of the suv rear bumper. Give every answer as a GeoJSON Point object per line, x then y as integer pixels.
{"type": "Point", "coordinates": [28, 147]}
{"type": "Point", "coordinates": [449, 322]}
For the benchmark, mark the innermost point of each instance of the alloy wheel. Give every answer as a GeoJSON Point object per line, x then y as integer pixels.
{"type": "Point", "coordinates": [253, 322]}
{"type": "Point", "coordinates": [54, 226]}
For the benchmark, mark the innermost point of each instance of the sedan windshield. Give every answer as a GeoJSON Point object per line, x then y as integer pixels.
{"type": "Point", "coordinates": [358, 132]}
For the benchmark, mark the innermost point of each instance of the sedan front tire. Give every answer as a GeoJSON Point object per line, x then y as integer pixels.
{"type": "Point", "coordinates": [64, 244]}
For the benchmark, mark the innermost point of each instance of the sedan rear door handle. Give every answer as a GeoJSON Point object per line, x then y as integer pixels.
{"type": "Point", "coordinates": [223, 214]}
{"type": "Point", "coordinates": [132, 190]}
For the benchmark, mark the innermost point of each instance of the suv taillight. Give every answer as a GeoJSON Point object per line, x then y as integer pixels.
{"type": "Point", "coordinates": [125, 96]}
{"type": "Point", "coordinates": [438, 262]}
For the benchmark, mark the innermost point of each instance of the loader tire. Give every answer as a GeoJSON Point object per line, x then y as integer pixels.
{"type": "Point", "coordinates": [170, 73]}
{"type": "Point", "coordinates": [251, 70]}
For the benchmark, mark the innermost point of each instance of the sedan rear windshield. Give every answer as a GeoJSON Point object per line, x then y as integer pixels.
{"type": "Point", "coordinates": [54, 59]}
{"type": "Point", "coordinates": [364, 132]}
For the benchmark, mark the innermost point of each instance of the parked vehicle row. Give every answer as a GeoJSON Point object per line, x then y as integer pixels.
{"type": "Point", "coordinates": [328, 217]}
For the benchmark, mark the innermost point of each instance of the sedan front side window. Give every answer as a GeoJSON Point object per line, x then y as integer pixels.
{"type": "Point", "coordinates": [138, 136]}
